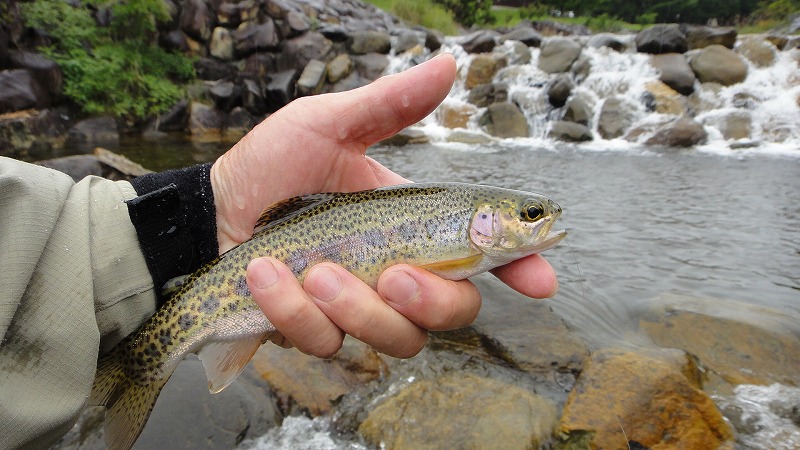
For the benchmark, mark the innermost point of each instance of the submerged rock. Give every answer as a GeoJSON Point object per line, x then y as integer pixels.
{"type": "Point", "coordinates": [683, 132]}
{"type": "Point", "coordinates": [461, 411]}
{"type": "Point", "coordinates": [642, 399]}
{"type": "Point", "coordinates": [760, 52]}
{"type": "Point", "coordinates": [569, 131]}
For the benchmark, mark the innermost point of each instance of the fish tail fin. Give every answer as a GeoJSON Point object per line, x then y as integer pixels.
{"type": "Point", "coordinates": [128, 402]}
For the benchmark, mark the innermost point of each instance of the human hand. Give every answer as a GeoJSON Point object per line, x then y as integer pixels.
{"type": "Point", "coordinates": [318, 144]}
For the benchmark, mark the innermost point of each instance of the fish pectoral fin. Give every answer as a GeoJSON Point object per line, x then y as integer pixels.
{"type": "Point", "coordinates": [225, 360]}
{"type": "Point", "coordinates": [453, 265]}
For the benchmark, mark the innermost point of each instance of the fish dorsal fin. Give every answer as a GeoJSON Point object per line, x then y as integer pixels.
{"type": "Point", "coordinates": [225, 360]}
{"type": "Point", "coordinates": [288, 208]}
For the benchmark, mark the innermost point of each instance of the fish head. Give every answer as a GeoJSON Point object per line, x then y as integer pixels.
{"type": "Point", "coordinates": [514, 224]}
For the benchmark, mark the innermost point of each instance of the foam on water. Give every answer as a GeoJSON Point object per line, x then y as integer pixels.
{"type": "Point", "coordinates": [302, 433]}
{"type": "Point", "coordinates": [766, 417]}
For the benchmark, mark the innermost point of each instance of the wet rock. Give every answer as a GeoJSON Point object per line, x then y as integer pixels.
{"type": "Point", "coordinates": [260, 66]}
{"type": "Point", "coordinates": [468, 137]}
{"type": "Point", "coordinates": [609, 40]}
{"type": "Point", "coordinates": [407, 136]}
{"type": "Point", "coordinates": [758, 51]}
{"type": "Point", "coordinates": [481, 70]}
{"type": "Point", "coordinates": [526, 35]}
{"type": "Point", "coordinates": [94, 132]}
{"type": "Point", "coordinates": [253, 97]}
{"type": "Point", "coordinates": [298, 51]}
{"type": "Point", "coordinates": [481, 41]}
{"type": "Point", "coordinates": [579, 109]}
{"type": "Point", "coordinates": [221, 45]}
{"type": "Point", "coordinates": [280, 90]}
{"type": "Point", "coordinates": [226, 95]}
{"type": "Point", "coordinates": [407, 39]}
{"type": "Point", "coordinates": [212, 69]}
{"type": "Point", "coordinates": [683, 132]}
{"type": "Point", "coordinates": [370, 41]}
{"type": "Point", "coordinates": [433, 40]}
{"type": "Point", "coordinates": [558, 54]}
{"type": "Point", "coordinates": [520, 54]}
{"type": "Point", "coordinates": [504, 120]}
{"type": "Point", "coordinates": [461, 411]}
{"type": "Point", "coordinates": [370, 66]}
{"type": "Point", "coordinates": [312, 385]}
{"type": "Point", "coordinates": [44, 70]}
{"type": "Point", "coordinates": [455, 116]}
{"type": "Point", "coordinates": [256, 38]}
{"type": "Point", "coordinates": [102, 163]}
{"type": "Point", "coordinates": [174, 41]}
{"type": "Point", "coordinates": [239, 123]}
{"type": "Point", "coordinates": [661, 39]}
{"type": "Point", "coordinates": [569, 132]}
{"type": "Point", "coordinates": [205, 120]}
{"type": "Point", "coordinates": [296, 23]}
{"type": "Point", "coordinates": [675, 72]}
{"type": "Point", "coordinates": [19, 90]}
{"type": "Point", "coordinates": [312, 79]}
{"type": "Point", "coordinates": [641, 399]}
{"type": "Point", "coordinates": [616, 115]}
{"type": "Point", "coordinates": [350, 82]}
{"type": "Point", "coordinates": [663, 99]}
{"type": "Point", "coordinates": [732, 123]}
{"type": "Point", "coordinates": [718, 64]}
{"type": "Point", "coordinates": [742, 343]}
{"type": "Point", "coordinates": [703, 36]}
{"type": "Point", "coordinates": [5, 56]}
{"type": "Point", "coordinates": [31, 134]}
{"type": "Point", "coordinates": [339, 67]}
{"type": "Point", "coordinates": [778, 40]}
{"type": "Point", "coordinates": [196, 20]}
{"type": "Point", "coordinates": [175, 119]}
{"type": "Point", "coordinates": [559, 89]}
{"type": "Point", "coordinates": [233, 14]}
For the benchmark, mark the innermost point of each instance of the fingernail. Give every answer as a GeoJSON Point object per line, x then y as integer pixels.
{"type": "Point", "coordinates": [323, 283]}
{"type": "Point", "coordinates": [401, 287]}
{"type": "Point", "coordinates": [265, 274]}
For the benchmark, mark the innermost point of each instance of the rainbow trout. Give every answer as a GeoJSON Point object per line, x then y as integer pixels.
{"type": "Point", "coordinates": [454, 230]}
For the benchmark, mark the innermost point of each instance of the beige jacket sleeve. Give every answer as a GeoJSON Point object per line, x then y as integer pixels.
{"type": "Point", "coordinates": [73, 282]}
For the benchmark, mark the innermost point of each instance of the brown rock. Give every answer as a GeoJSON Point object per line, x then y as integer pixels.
{"type": "Point", "coordinates": [461, 411]}
{"type": "Point", "coordinates": [648, 397]}
{"type": "Point", "coordinates": [339, 67]}
{"type": "Point", "coordinates": [703, 36]}
{"type": "Point", "coordinates": [505, 120]}
{"type": "Point", "coordinates": [616, 116]}
{"type": "Point", "coordinates": [680, 133]}
{"type": "Point", "coordinates": [481, 70]}
{"type": "Point", "coordinates": [311, 384]}
{"type": "Point", "coordinates": [758, 51]}
{"type": "Point", "coordinates": [569, 132]}
{"type": "Point", "coordinates": [718, 64]}
{"type": "Point", "coordinates": [733, 124]}
{"type": "Point", "coordinates": [455, 116]}
{"type": "Point", "coordinates": [675, 72]}
{"type": "Point", "coordinates": [664, 99]}
{"type": "Point", "coordinates": [196, 19]}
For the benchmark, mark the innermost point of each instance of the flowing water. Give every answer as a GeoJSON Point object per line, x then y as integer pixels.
{"type": "Point", "coordinates": [708, 223]}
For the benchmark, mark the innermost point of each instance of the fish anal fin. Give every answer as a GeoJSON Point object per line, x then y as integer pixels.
{"type": "Point", "coordinates": [225, 360]}
{"type": "Point", "coordinates": [454, 266]}
{"type": "Point", "coordinates": [287, 208]}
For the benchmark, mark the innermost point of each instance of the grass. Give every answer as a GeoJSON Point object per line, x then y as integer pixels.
{"type": "Point", "coordinates": [420, 12]}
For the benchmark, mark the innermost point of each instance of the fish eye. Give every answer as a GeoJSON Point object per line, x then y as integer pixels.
{"type": "Point", "coordinates": [532, 212]}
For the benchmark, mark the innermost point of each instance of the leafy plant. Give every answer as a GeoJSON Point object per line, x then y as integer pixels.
{"type": "Point", "coordinates": [117, 69]}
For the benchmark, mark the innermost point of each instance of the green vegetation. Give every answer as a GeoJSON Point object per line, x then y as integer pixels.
{"type": "Point", "coordinates": [421, 12]}
{"type": "Point", "coordinates": [116, 69]}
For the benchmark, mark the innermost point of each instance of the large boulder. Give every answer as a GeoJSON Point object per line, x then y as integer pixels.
{"type": "Point", "coordinates": [505, 120]}
{"type": "Point", "coordinates": [612, 41]}
{"type": "Point", "coordinates": [616, 115]}
{"type": "Point", "coordinates": [559, 89]}
{"type": "Point", "coordinates": [281, 89]}
{"type": "Point", "coordinates": [579, 108]}
{"type": "Point", "coordinates": [256, 38]}
{"type": "Point", "coordinates": [213, 69]}
{"type": "Point", "coordinates": [481, 70]}
{"type": "Point", "coordinates": [758, 51]}
{"type": "Point", "coordinates": [298, 51]}
{"type": "Point", "coordinates": [733, 123]}
{"type": "Point", "coordinates": [526, 35]}
{"type": "Point", "coordinates": [175, 119]}
{"type": "Point", "coordinates": [718, 64]}
{"type": "Point", "coordinates": [455, 115]}
{"type": "Point", "coordinates": [370, 66]}
{"type": "Point", "coordinates": [683, 132]}
{"type": "Point", "coordinates": [703, 36]}
{"type": "Point", "coordinates": [19, 90]}
{"type": "Point", "coordinates": [197, 19]}
{"type": "Point", "coordinates": [45, 70]}
{"type": "Point", "coordinates": [660, 98]}
{"type": "Point", "coordinates": [675, 72]}
{"type": "Point", "coordinates": [339, 67]}
{"type": "Point", "coordinates": [487, 94]}
{"type": "Point", "coordinates": [226, 95]}
{"type": "Point", "coordinates": [569, 132]}
{"type": "Point", "coordinates": [94, 132]}
{"type": "Point", "coordinates": [662, 39]}
{"type": "Point", "coordinates": [557, 54]}
{"type": "Point", "coordinates": [370, 41]}
{"type": "Point", "coordinates": [642, 399]}
{"type": "Point", "coordinates": [312, 78]}
{"type": "Point", "coordinates": [481, 41]}
{"type": "Point", "coordinates": [205, 120]}
{"type": "Point", "coordinates": [221, 45]}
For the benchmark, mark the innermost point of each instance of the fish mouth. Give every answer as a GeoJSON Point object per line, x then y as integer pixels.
{"type": "Point", "coordinates": [553, 238]}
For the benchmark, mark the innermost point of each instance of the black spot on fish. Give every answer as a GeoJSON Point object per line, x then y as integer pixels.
{"type": "Point", "coordinates": [241, 288]}
{"type": "Point", "coordinates": [185, 321]}
{"type": "Point", "coordinates": [210, 304]}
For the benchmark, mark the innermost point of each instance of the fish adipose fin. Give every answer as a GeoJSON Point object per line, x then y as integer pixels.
{"type": "Point", "coordinates": [288, 208]}
{"type": "Point", "coordinates": [128, 402]}
{"type": "Point", "coordinates": [225, 360]}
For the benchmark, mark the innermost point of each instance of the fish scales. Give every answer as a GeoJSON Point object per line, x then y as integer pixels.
{"type": "Point", "coordinates": [455, 230]}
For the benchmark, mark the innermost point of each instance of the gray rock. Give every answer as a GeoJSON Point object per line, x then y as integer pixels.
{"type": "Point", "coordinates": [504, 120]}
{"type": "Point", "coordinates": [733, 124]}
{"type": "Point", "coordinates": [407, 136]}
{"type": "Point", "coordinates": [662, 39]}
{"type": "Point", "coordinates": [31, 134]}
{"type": "Point", "coordinates": [718, 64]}
{"type": "Point", "coordinates": [232, 14]}
{"type": "Point", "coordinates": [569, 131]}
{"type": "Point", "coordinates": [526, 35]}
{"type": "Point", "coordinates": [239, 123]}
{"type": "Point", "coordinates": [578, 109]}
{"type": "Point", "coordinates": [363, 42]}
{"type": "Point", "coordinates": [339, 68]}
{"type": "Point", "coordinates": [212, 69]}
{"type": "Point", "coordinates": [481, 41]}
{"type": "Point", "coordinates": [675, 72]}
{"type": "Point", "coordinates": [221, 45]}
{"type": "Point", "coordinates": [616, 115]}
{"type": "Point", "coordinates": [260, 65]}
{"type": "Point", "coordinates": [559, 89]}
{"type": "Point", "coordinates": [205, 119]}
{"type": "Point", "coordinates": [174, 40]}
{"type": "Point", "coordinates": [280, 90]}
{"type": "Point", "coordinates": [253, 97]}
{"type": "Point", "coordinates": [407, 39]}
{"type": "Point", "coordinates": [520, 54]}
{"type": "Point", "coordinates": [312, 79]}
{"type": "Point", "coordinates": [196, 19]}
{"type": "Point", "coordinates": [481, 70]}
{"type": "Point", "coordinates": [609, 40]}
{"type": "Point", "coordinates": [175, 119]}
{"type": "Point", "coordinates": [225, 95]}
{"type": "Point", "coordinates": [468, 137]}
{"type": "Point", "coordinates": [702, 36]}
{"type": "Point", "coordinates": [487, 94]}
{"type": "Point", "coordinates": [45, 70]}
{"type": "Point", "coordinates": [558, 54]}
{"type": "Point", "coordinates": [758, 51]}
{"type": "Point", "coordinates": [680, 133]}
{"type": "Point", "coordinates": [370, 66]}
{"type": "Point", "coordinates": [296, 23]}
{"type": "Point", "coordinates": [94, 132]}
{"type": "Point", "coordinates": [433, 40]}
{"type": "Point", "coordinates": [19, 90]}
{"type": "Point", "coordinates": [780, 41]}
{"type": "Point", "coordinates": [298, 51]}
{"type": "Point", "coordinates": [256, 38]}
{"type": "Point", "coordinates": [351, 81]}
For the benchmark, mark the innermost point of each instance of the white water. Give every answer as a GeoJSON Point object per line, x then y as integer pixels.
{"type": "Point", "coordinates": [769, 95]}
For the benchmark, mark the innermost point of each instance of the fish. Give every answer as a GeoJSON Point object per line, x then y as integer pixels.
{"type": "Point", "coordinates": [455, 230]}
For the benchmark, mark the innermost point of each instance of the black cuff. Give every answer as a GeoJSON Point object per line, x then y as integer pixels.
{"type": "Point", "coordinates": [175, 221]}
